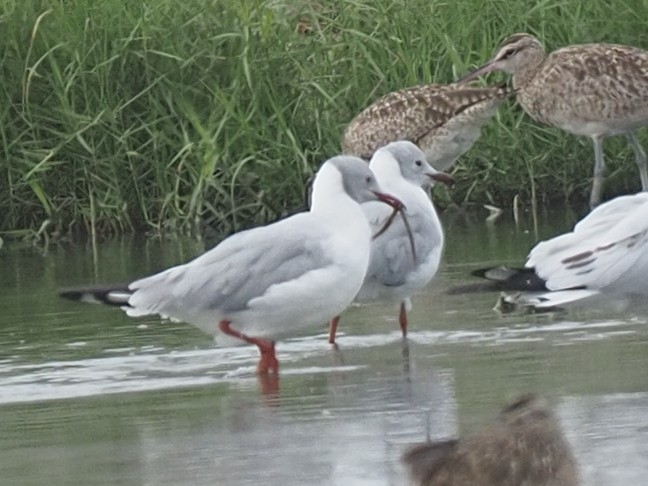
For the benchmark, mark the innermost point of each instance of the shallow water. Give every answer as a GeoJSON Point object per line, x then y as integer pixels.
{"type": "Point", "coordinates": [90, 396]}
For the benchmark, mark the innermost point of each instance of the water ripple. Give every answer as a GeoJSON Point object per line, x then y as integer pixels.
{"type": "Point", "coordinates": [130, 369]}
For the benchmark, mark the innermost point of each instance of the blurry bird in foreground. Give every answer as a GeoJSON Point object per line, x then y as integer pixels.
{"type": "Point", "coordinates": [525, 447]}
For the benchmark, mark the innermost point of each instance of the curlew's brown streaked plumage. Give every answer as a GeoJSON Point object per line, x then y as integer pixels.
{"type": "Point", "coordinates": [597, 90]}
{"type": "Point", "coordinates": [525, 447]}
{"type": "Point", "coordinates": [444, 120]}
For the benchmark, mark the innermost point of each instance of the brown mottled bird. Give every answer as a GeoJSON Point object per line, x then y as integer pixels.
{"type": "Point", "coordinates": [444, 120]}
{"type": "Point", "coordinates": [597, 90]}
{"type": "Point", "coordinates": [526, 447]}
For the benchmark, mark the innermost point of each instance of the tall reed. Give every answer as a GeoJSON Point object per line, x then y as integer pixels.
{"type": "Point", "coordinates": [120, 116]}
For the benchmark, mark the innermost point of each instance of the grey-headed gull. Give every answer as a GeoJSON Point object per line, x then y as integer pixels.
{"type": "Point", "coordinates": [271, 281]}
{"type": "Point", "coordinates": [398, 266]}
{"type": "Point", "coordinates": [605, 256]}
{"type": "Point", "coordinates": [525, 446]}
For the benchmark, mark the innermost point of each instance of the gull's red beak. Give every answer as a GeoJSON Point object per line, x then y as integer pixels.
{"type": "Point", "coordinates": [446, 179]}
{"type": "Point", "coordinates": [391, 200]}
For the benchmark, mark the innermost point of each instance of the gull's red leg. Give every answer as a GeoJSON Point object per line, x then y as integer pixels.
{"type": "Point", "coordinates": [269, 385]}
{"type": "Point", "coordinates": [402, 319]}
{"type": "Point", "coordinates": [268, 362]}
{"type": "Point", "coordinates": [333, 329]}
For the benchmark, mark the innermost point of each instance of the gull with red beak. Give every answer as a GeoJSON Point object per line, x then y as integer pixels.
{"type": "Point", "coordinates": [406, 254]}
{"type": "Point", "coordinates": [272, 281]}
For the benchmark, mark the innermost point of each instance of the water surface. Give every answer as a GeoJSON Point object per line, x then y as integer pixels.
{"type": "Point", "coordinates": [90, 396]}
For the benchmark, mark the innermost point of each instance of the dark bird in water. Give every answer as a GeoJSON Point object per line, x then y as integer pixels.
{"type": "Point", "coordinates": [525, 447]}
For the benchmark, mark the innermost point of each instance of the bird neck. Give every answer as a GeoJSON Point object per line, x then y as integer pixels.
{"type": "Point", "coordinates": [388, 174]}
{"type": "Point", "coordinates": [329, 199]}
{"type": "Point", "coordinates": [527, 68]}
{"type": "Point", "coordinates": [385, 167]}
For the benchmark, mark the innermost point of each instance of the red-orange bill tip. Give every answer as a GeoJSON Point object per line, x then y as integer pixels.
{"type": "Point", "coordinates": [391, 200]}
{"type": "Point", "coordinates": [443, 177]}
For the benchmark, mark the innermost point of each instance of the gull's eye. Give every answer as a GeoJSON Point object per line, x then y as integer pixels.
{"type": "Point", "coordinates": [419, 163]}
{"type": "Point", "coordinates": [368, 180]}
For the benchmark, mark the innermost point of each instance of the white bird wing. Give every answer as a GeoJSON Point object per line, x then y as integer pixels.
{"type": "Point", "coordinates": [391, 253]}
{"type": "Point", "coordinates": [559, 298]}
{"type": "Point", "coordinates": [608, 214]}
{"type": "Point", "coordinates": [598, 222]}
{"type": "Point", "coordinates": [600, 250]}
{"type": "Point", "coordinates": [242, 267]}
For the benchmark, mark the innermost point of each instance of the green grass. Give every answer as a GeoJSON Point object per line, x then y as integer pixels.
{"type": "Point", "coordinates": [121, 116]}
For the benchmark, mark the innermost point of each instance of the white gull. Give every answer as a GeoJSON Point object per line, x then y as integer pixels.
{"type": "Point", "coordinates": [399, 267]}
{"type": "Point", "coordinates": [272, 281]}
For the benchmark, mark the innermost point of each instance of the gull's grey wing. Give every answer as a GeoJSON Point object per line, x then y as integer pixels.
{"type": "Point", "coordinates": [391, 253]}
{"type": "Point", "coordinates": [239, 269]}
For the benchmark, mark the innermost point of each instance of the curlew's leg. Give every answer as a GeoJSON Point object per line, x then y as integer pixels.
{"type": "Point", "coordinates": [333, 329]}
{"type": "Point", "coordinates": [268, 362]}
{"type": "Point", "coordinates": [640, 159]}
{"type": "Point", "coordinates": [599, 171]}
{"type": "Point", "coordinates": [402, 318]}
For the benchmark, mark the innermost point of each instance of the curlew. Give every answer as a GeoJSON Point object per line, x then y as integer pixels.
{"type": "Point", "coordinates": [525, 447]}
{"type": "Point", "coordinates": [597, 90]}
{"type": "Point", "coordinates": [444, 120]}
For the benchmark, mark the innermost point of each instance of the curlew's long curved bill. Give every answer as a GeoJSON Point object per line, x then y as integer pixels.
{"type": "Point", "coordinates": [388, 223]}
{"type": "Point", "coordinates": [399, 207]}
{"type": "Point", "coordinates": [436, 176]}
{"type": "Point", "coordinates": [486, 68]}
{"type": "Point", "coordinates": [442, 177]}
{"type": "Point", "coordinates": [390, 200]}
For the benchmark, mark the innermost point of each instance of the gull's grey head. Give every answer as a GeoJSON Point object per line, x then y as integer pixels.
{"type": "Point", "coordinates": [514, 55]}
{"type": "Point", "coordinates": [359, 181]}
{"type": "Point", "coordinates": [413, 165]}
